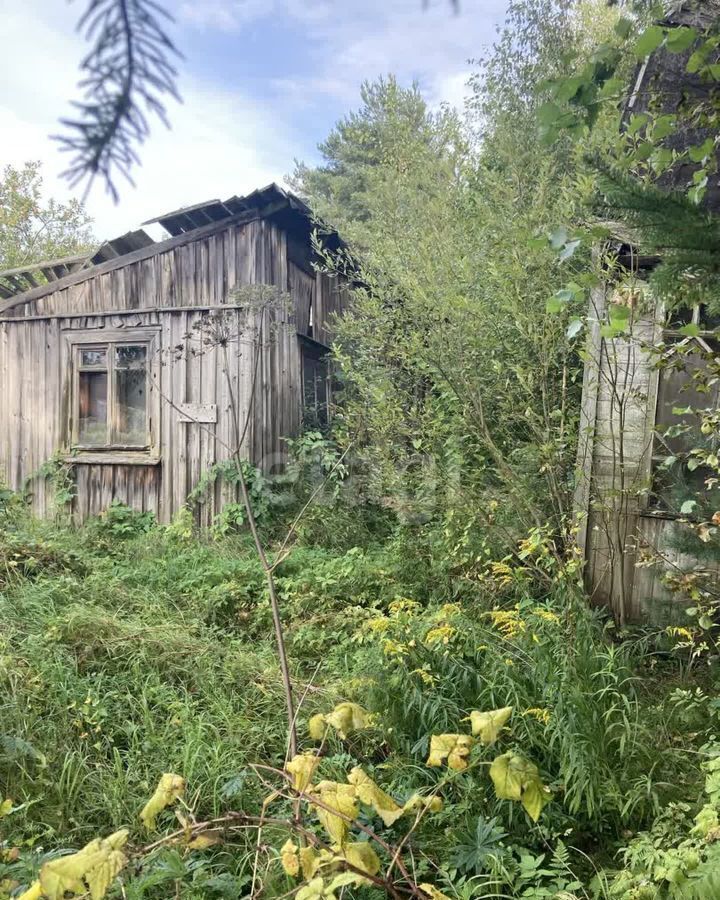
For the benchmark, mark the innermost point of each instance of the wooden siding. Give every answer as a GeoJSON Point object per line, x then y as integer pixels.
{"type": "Point", "coordinates": [615, 470]}
{"type": "Point", "coordinates": [171, 292]}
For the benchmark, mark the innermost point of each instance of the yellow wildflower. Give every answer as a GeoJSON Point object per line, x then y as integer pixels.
{"type": "Point", "coordinates": [539, 713]}
{"type": "Point", "coordinates": [508, 622]}
{"type": "Point", "coordinates": [440, 635]}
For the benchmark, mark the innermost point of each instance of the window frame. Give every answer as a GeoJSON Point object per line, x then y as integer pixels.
{"type": "Point", "coordinates": [111, 339]}
{"type": "Point", "coordinates": [319, 354]}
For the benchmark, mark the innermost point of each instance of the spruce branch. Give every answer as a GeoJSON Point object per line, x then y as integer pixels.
{"type": "Point", "coordinates": [126, 77]}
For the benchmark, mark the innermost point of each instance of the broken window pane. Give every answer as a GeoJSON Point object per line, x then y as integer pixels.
{"type": "Point", "coordinates": [92, 424]}
{"type": "Point", "coordinates": [131, 396]}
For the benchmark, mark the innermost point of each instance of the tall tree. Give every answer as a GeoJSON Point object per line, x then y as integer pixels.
{"type": "Point", "coordinates": [32, 228]}
{"type": "Point", "coordinates": [464, 388]}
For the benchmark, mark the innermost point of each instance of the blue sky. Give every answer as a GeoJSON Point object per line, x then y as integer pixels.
{"type": "Point", "coordinates": [262, 82]}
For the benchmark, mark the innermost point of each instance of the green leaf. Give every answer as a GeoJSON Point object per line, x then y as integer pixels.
{"type": "Point", "coordinates": [554, 305]}
{"type": "Point", "coordinates": [679, 39]}
{"type": "Point", "coordinates": [705, 622]}
{"type": "Point", "coordinates": [695, 62]}
{"type": "Point", "coordinates": [568, 88]}
{"type": "Point", "coordinates": [701, 151]}
{"type": "Point", "coordinates": [648, 41]}
{"type": "Point", "coordinates": [549, 113]}
{"type": "Point", "coordinates": [690, 330]}
{"type": "Point", "coordinates": [623, 27]}
{"type": "Point", "coordinates": [638, 121]}
{"type": "Point", "coordinates": [687, 507]}
{"type": "Point", "coordinates": [619, 316]}
{"type": "Point", "coordinates": [663, 126]}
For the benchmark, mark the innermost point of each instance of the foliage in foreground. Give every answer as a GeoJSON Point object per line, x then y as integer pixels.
{"type": "Point", "coordinates": [126, 656]}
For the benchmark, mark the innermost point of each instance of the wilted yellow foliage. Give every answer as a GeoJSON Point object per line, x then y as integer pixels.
{"type": "Point", "coordinates": [205, 840]}
{"type": "Point", "coordinates": [340, 797]}
{"type": "Point", "coordinates": [362, 856]}
{"type": "Point", "coordinates": [455, 747]}
{"type": "Point", "coordinates": [516, 778]}
{"type": "Point", "coordinates": [302, 767]}
{"type": "Point", "coordinates": [433, 892]}
{"type": "Point", "coordinates": [5, 807]}
{"type": "Point", "coordinates": [34, 892]}
{"type": "Point", "coordinates": [368, 792]}
{"type": "Point", "coordinates": [308, 862]}
{"type": "Point", "coordinates": [169, 788]}
{"type": "Point", "coordinates": [348, 717]}
{"type": "Point", "coordinates": [313, 890]}
{"type": "Point", "coordinates": [433, 804]}
{"type": "Point", "coordinates": [91, 869]}
{"type": "Point", "coordinates": [317, 726]}
{"type": "Point", "coordinates": [289, 858]}
{"type": "Point", "coordinates": [487, 725]}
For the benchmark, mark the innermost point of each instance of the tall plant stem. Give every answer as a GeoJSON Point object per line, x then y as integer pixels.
{"type": "Point", "coordinates": [268, 569]}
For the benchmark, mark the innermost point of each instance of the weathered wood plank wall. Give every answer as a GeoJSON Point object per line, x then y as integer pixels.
{"type": "Point", "coordinates": [171, 292]}
{"type": "Point", "coordinates": [615, 474]}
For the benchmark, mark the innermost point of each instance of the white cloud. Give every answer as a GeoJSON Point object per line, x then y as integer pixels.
{"type": "Point", "coordinates": [225, 15]}
{"type": "Point", "coordinates": [344, 43]}
{"type": "Point", "coordinates": [225, 141]}
{"type": "Point", "coordinates": [221, 142]}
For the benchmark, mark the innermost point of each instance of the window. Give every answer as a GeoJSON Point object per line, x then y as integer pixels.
{"type": "Point", "coordinates": [112, 384]}
{"type": "Point", "coordinates": [315, 384]}
{"type": "Point", "coordinates": [687, 440]}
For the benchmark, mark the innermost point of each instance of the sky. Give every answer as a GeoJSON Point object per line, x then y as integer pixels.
{"type": "Point", "coordinates": [262, 82]}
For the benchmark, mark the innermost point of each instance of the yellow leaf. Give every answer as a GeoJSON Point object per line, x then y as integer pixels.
{"type": "Point", "coordinates": [368, 792]}
{"type": "Point", "coordinates": [516, 778]}
{"type": "Point", "coordinates": [34, 892]}
{"type": "Point", "coordinates": [535, 796]}
{"type": "Point", "coordinates": [313, 890]}
{"type": "Point", "coordinates": [169, 788]}
{"type": "Point", "coordinates": [6, 807]}
{"type": "Point", "coordinates": [302, 768]}
{"type": "Point", "coordinates": [507, 776]}
{"type": "Point", "coordinates": [433, 892]}
{"type": "Point", "coordinates": [487, 725]}
{"type": "Point", "coordinates": [317, 727]}
{"type": "Point", "coordinates": [455, 747]}
{"type": "Point", "coordinates": [66, 874]}
{"type": "Point", "coordinates": [361, 855]}
{"type": "Point", "coordinates": [341, 880]}
{"type": "Point", "coordinates": [309, 861]}
{"type": "Point", "coordinates": [96, 865]}
{"type": "Point", "coordinates": [205, 840]}
{"type": "Point", "coordinates": [347, 717]}
{"type": "Point", "coordinates": [103, 875]}
{"type": "Point", "coordinates": [339, 797]}
{"type": "Point", "coordinates": [289, 858]}
{"type": "Point", "coordinates": [433, 804]}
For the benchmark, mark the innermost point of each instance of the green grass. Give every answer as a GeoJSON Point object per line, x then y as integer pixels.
{"type": "Point", "coordinates": [126, 655]}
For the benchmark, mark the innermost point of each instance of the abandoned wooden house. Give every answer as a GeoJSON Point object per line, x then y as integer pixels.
{"type": "Point", "coordinates": [137, 364]}
{"type": "Point", "coordinates": [636, 473]}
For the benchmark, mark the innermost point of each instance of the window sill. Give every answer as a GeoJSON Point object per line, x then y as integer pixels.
{"type": "Point", "coordinates": [113, 458]}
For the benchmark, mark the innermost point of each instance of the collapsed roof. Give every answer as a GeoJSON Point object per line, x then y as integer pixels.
{"type": "Point", "coordinates": [270, 200]}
